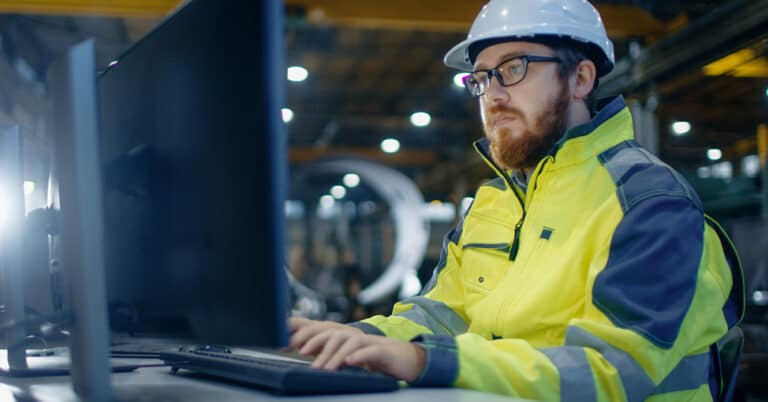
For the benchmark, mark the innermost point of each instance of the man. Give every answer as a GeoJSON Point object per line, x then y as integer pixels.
{"type": "Point", "coordinates": [586, 270]}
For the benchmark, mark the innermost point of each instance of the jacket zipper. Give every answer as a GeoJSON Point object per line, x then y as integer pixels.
{"type": "Point", "coordinates": [515, 246]}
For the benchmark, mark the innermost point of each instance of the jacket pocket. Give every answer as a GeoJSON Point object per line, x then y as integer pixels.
{"type": "Point", "coordinates": [484, 264]}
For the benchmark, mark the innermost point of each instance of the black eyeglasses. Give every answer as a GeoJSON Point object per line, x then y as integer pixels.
{"type": "Point", "coordinates": [508, 73]}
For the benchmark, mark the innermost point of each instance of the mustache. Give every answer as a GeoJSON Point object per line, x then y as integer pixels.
{"type": "Point", "coordinates": [499, 110]}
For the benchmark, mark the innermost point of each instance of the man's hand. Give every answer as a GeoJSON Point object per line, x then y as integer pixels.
{"type": "Point", "coordinates": [302, 330]}
{"type": "Point", "coordinates": [335, 345]}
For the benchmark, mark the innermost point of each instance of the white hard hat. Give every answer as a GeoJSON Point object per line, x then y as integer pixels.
{"type": "Point", "coordinates": [536, 21]}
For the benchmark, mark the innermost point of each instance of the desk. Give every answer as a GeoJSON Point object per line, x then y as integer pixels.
{"type": "Point", "coordinates": [156, 384]}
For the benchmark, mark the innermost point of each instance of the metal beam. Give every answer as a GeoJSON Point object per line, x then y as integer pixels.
{"type": "Point", "coordinates": [738, 114]}
{"type": "Point", "coordinates": [621, 21]}
{"type": "Point", "coordinates": [111, 8]}
{"type": "Point", "coordinates": [720, 32]}
{"type": "Point", "coordinates": [404, 157]}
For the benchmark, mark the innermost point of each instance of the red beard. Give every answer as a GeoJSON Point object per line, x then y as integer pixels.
{"type": "Point", "coordinates": [523, 151]}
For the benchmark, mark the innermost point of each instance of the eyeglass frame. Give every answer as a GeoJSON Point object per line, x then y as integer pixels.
{"type": "Point", "coordinates": [494, 72]}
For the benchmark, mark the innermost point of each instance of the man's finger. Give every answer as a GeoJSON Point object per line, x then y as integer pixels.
{"type": "Point", "coordinates": [315, 344]}
{"type": "Point", "coordinates": [401, 361]}
{"type": "Point", "coordinates": [371, 356]}
{"type": "Point", "coordinates": [329, 348]}
{"type": "Point", "coordinates": [305, 333]}
{"type": "Point", "coordinates": [296, 323]}
{"type": "Point", "coordinates": [352, 343]}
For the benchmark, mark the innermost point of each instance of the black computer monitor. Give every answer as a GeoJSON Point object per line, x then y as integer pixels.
{"type": "Point", "coordinates": [195, 158]}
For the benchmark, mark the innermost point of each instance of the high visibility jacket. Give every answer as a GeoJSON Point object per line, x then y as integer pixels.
{"type": "Point", "coordinates": [602, 280]}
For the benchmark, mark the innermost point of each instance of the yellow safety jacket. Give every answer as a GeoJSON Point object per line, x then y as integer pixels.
{"type": "Point", "coordinates": [603, 280]}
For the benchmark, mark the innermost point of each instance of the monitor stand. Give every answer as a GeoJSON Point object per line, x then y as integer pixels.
{"type": "Point", "coordinates": [72, 84]}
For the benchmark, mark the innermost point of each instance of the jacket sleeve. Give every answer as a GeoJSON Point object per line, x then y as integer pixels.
{"type": "Point", "coordinates": [655, 297]}
{"type": "Point", "coordinates": [438, 309]}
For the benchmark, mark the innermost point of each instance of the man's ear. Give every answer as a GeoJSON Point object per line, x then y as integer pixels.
{"type": "Point", "coordinates": [584, 79]}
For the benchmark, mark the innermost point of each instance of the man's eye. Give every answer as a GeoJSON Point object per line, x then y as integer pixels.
{"type": "Point", "coordinates": [516, 69]}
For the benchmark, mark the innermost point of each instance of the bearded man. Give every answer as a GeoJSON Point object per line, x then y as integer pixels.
{"type": "Point", "coordinates": [586, 270]}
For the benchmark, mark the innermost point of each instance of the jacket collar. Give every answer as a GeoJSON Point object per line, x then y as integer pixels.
{"type": "Point", "coordinates": [610, 126]}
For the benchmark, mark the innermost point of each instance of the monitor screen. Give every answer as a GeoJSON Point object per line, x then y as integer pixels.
{"type": "Point", "coordinates": [194, 156]}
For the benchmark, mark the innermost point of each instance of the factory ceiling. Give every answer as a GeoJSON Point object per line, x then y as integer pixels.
{"type": "Point", "coordinates": [372, 64]}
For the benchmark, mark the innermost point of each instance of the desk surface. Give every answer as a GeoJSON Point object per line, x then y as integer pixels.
{"type": "Point", "coordinates": [150, 384]}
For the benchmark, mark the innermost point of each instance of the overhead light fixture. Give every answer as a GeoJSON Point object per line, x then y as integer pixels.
{"type": "Point", "coordinates": [714, 154]}
{"type": "Point", "coordinates": [338, 192]}
{"type": "Point", "coordinates": [681, 127]}
{"type": "Point", "coordinates": [287, 114]}
{"type": "Point", "coordinates": [390, 145]}
{"type": "Point", "coordinates": [458, 79]}
{"type": "Point", "coordinates": [29, 187]}
{"type": "Point", "coordinates": [112, 63]}
{"type": "Point", "coordinates": [421, 119]}
{"type": "Point", "coordinates": [351, 180]}
{"type": "Point", "coordinates": [326, 202]}
{"type": "Point", "coordinates": [297, 73]}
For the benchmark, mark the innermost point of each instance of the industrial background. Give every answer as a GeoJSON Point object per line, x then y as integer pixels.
{"type": "Point", "coordinates": [365, 81]}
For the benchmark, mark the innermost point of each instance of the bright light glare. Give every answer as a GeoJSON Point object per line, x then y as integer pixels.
{"type": "Point", "coordinates": [458, 79]}
{"type": "Point", "coordinates": [421, 119]}
{"type": "Point", "coordinates": [29, 187]}
{"type": "Point", "coordinates": [297, 73]}
{"type": "Point", "coordinates": [338, 192]}
{"type": "Point", "coordinates": [287, 114]}
{"type": "Point", "coordinates": [681, 127]}
{"type": "Point", "coordinates": [466, 202]}
{"type": "Point", "coordinates": [766, 91]}
{"type": "Point", "coordinates": [390, 145]}
{"type": "Point", "coordinates": [112, 63]}
{"type": "Point", "coordinates": [351, 180]}
{"type": "Point", "coordinates": [714, 154]}
{"type": "Point", "coordinates": [326, 202]}
{"type": "Point", "coordinates": [750, 165]}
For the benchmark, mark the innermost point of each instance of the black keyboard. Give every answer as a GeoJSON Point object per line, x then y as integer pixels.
{"type": "Point", "coordinates": [140, 349]}
{"type": "Point", "coordinates": [279, 376]}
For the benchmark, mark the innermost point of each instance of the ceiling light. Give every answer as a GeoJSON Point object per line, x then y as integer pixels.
{"type": "Point", "coordinates": [326, 202]}
{"type": "Point", "coordinates": [112, 63]}
{"type": "Point", "coordinates": [390, 145]}
{"type": "Point", "coordinates": [287, 114]}
{"type": "Point", "coordinates": [297, 73]}
{"type": "Point", "coordinates": [421, 119]}
{"type": "Point", "coordinates": [681, 127]}
{"type": "Point", "coordinates": [338, 192]}
{"type": "Point", "coordinates": [714, 154]}
{"type": "Point", "coordinates": [29, 187]}
{"type": "Point", "coordinates": [351, 180]}
{"type": "Point", "coordinates": [458, 79]}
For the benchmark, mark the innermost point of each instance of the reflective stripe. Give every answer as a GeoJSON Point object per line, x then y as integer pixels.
{"type": "Point", "coordinates": [691, 373]}
{"type": "Point", "coordinates": [576, 381]}
{"type": "Point", "coordinates": [367, 328]}
{"type": "Point", "coordinates": [436, 316]}
{"type": "Point", "coordinates": [451, 237]}
{"type": "Point", "coordinates": [637, 384]}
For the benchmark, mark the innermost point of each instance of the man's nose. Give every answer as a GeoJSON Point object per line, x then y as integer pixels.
{"type": "Point", "coordinates": [496, 93]}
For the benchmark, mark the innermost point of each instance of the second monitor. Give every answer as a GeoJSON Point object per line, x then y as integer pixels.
{"type": "Point", "coordinates": [194, 156]}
